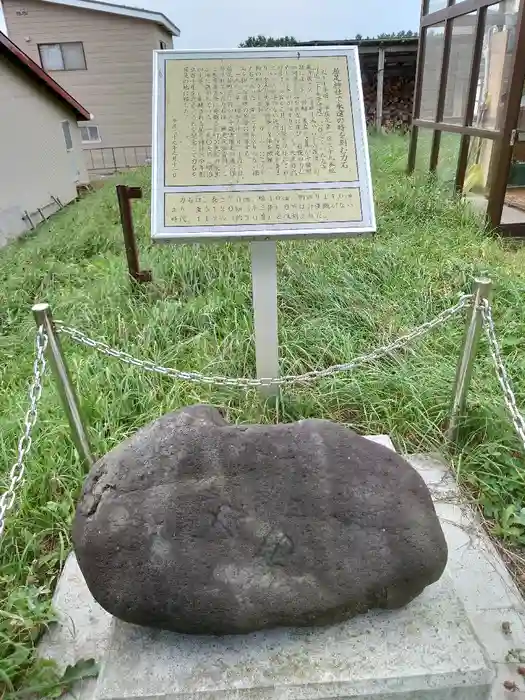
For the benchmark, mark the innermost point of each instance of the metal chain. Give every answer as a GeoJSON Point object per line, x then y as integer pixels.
{"type": "Point", "coordinates": [16, 473]}
{"type": "Point", "coordinates": [501, 371]}
{"type": "Point", "coordinates": [149, 366]}
{"type": "Point", "coordinates": [24, 444]}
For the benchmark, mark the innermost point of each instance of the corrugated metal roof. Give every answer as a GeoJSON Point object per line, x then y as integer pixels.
{"type": "Point", "coordinates": [379, 43]}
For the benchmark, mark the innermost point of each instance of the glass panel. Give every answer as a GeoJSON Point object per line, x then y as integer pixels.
{"type": "Point", "coordinates": [424, 143]}
{"type": "Point", "coordinates": [93, 133]}
{"type": "Point", "coordinates": [495, 67]}
{"type": "Point", "coordinates": [89, 133]}
{"type": "Point", "coordinates": [67, 135]}
{"type": "Point", "coordinates": [461, 50]}
{"type": "Point", "coordinates": [475, 187]}
{"type": "Point", "coordinates": [435, 37]}
{"type": "Point", "coordinates": [479, 165]}
{"type": "Point", "coordinates": [51, 57]}
{"type": "Point", "coordinates": [448, 155]}
{"type": "Point", "coordinates": [73, 56]}
{"type": "Point", "coordinates": [435, 5]}
{"type": "Point", "coordinates": [448, 158]}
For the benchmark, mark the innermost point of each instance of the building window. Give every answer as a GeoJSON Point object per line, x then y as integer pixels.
{"type": "Point", "coordinates": [163, 45]}
{"type": "Point", "coordinates": [66, 128]}
{"type": "Point", "coordinates": [90, 134]}
{"type": "Point", "coordinates": [67, 56]}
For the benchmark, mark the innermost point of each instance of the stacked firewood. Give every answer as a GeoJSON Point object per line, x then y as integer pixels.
{"type": "Point", "coordinates": [398, 94]}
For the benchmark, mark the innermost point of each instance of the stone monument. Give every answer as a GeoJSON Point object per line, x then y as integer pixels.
{"type": "Point", "coordinates": [199, 526]}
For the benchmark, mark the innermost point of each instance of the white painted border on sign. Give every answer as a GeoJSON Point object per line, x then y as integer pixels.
{"type": "Point", "coordinates": [172, 234]}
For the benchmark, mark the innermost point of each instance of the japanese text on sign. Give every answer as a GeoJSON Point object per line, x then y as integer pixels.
{"type": "Point", "coordinates": [272, 207]}
{"type": "Point", "coordinates": [252, 121]}
{"type": "Point", "coordinates": [259, 144]}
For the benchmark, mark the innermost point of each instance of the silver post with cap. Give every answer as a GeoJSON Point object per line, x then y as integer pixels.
{"type": "Point", "coordinates": [481, 291]}
{"type": "Point", "coordinates": [43, 317]}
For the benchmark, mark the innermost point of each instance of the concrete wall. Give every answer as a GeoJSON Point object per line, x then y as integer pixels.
{"type": "Point", "coordinates": [116, 86]}
{"type": "Point", "coordinates": [35, 165]}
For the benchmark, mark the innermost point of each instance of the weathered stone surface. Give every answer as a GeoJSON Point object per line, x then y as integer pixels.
{"type": "Point", "coordinates": [198, 526]}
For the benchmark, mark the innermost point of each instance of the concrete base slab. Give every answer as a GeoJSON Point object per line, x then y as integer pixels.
{"type": "Point", "coordinates": [448, 644]}
{"type": "Point", "coordinates": [425, 650]}
{"type": "Point", "coordinates": [480, 577]}
{"type": "Point", "coordinates": [83, 631]}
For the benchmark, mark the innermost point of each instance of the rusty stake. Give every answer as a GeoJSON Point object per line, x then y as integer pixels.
{"type": "Point", "coordinates": [124, 195]}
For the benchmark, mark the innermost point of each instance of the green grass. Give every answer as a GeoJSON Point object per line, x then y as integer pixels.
{"type": "Point", "coordinates": [336, 299]}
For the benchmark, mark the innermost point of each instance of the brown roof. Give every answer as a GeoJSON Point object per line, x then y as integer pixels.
{"type": "Point", "coordinates": [21, 60]}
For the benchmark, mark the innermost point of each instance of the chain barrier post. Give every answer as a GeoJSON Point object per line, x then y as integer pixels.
{"type": "Point", "coordinates": [481, 291]}
{"type": "Point", "coordinates": [44, 318]}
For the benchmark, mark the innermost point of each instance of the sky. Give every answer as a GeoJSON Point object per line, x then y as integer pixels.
{"type": "Point", "coordinates": [208, 24]}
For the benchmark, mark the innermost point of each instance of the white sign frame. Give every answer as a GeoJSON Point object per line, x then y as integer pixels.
{"type": "Point", "coordinates": [260, 232]}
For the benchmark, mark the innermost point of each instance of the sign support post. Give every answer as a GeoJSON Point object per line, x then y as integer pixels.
{"type": "Point", "coordinates": [264, 286]}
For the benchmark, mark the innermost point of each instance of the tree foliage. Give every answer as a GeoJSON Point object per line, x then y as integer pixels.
{"type": "Point", "coordinates": [408, 34]}
{"type": "Point", "coordinates": [261, 40]}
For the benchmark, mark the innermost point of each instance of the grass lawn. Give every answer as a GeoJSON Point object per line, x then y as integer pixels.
{"type": "Point", "coordinates": [337, 299]}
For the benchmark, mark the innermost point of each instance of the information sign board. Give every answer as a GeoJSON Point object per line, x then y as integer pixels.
{"type": "Point", "coordinates": [254, 144]}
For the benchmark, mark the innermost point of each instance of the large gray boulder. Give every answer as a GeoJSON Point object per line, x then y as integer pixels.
{"type": "Point", "coordinates": [199, 526]}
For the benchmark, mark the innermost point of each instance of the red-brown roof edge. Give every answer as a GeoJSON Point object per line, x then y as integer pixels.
{"type": "Point", "coordinates": [14, 54]}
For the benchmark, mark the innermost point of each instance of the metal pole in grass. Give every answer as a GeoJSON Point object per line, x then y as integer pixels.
{"type": "Point", "coordinates": [124, 196]}
{"type": "Point", "coordinates": [481, 290]}
{"type": "Point", "coordinates": [43, 317]}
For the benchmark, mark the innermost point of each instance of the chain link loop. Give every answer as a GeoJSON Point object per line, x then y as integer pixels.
{"type": "Point", "coordinates": [24, 444]}
{"type": "Point", "coordinates": [197, 377]}
{"type": "Point", "coordinates": [501, 372]}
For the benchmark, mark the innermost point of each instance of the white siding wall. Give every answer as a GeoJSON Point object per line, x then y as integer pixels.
{"type": "Point", "coordinates": [34, 163]}
{"type": "Point", "coordinates": [116, 87]}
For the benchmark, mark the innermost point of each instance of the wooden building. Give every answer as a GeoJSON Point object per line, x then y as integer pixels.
{"type": "Point", "coordinates": [470, 83]}
{"type": "Point", "coordinates": [388, 68]}
{"type": "Point", "coordinates": [102, 53]}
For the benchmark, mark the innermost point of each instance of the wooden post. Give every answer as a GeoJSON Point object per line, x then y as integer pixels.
{"type": "Point", "coordinates": [124, 195]}
{"type": "Point", "coordinates": [380, 88]}
{"type": "Point", "coordinates": [471, 99]}
{"type": "Point", "coordinates": [442, 93]}
{"type": "Point", "coordinates": [500, 165]}
{"type": "Point", "coordinates": [418, 91]}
